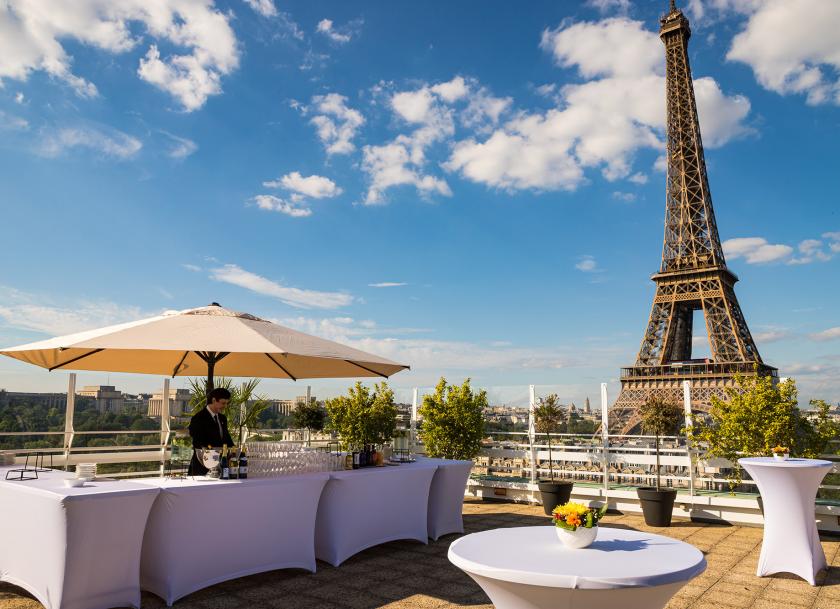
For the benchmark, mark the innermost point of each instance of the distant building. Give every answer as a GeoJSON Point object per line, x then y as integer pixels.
{"type": "Point", "coordinates": [179, 403]}
{"type": "Point", "coordinates": [587, 409]}
{"type": "Point", "coordinates": [287, 407]}
{"type": "Point", "coordinates": [50, 400]}
{"type": "Point", "coordinates": [106, 398]}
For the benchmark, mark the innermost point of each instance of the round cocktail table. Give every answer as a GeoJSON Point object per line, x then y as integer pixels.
{"type": "Point", "coordinates": [788, 488]}
{"type": "Point", "coordinates": [529, 568]}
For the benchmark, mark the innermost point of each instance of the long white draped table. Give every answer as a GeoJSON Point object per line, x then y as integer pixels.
{"type": "Point", "coordinates": [529, 568]}
{"type": "Point", "coordinates": [446, 496]}
{"type": "Point", "coordinates": [73, 548]}
{"type": "Point", "coordinates": [201, 532]}
{"type": "Point", "coordinates": [366, 507]}
{"type": "Point", "coordinates": [788, 489]}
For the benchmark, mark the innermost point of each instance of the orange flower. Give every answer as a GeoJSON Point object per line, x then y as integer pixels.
{"type": "Point", "coordinates": [573, 520]}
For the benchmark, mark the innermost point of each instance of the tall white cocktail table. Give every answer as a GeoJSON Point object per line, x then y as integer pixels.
{"type": "Point", "coordinates": [788, 488]}
{"type": "Point", "coordinates": [529, 568]}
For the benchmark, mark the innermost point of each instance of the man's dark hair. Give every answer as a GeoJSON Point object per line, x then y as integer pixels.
{"type": "Point", "coordinates": [219, 393]}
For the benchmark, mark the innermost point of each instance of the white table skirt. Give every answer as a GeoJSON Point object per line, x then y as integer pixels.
{"type": "Point", "coordinates": [73, 548]}
{"type": "Point", "coordinates": [202, 532]}
{"type": "Point", "coordinates": [529, 568]}
{"type": "Point", "coordinates": [788, 488]}
{"type": "Point", "coordinates": [446, 496]}
{"type": "Point", "coordinates": [366, 507]}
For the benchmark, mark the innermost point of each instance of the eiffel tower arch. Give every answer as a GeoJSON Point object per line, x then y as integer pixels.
{"type": "Point", "coordinates": [693, 275]}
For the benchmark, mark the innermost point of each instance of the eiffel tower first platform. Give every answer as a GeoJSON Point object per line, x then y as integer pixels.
{"type": "Point", "coordinates": [693, 274]}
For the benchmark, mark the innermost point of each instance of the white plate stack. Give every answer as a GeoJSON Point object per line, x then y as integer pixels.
{"type": "Point", "coordinates": [86, 471]}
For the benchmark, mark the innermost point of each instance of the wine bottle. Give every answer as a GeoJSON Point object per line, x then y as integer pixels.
{"type": "Point", "coordinates": [363, 457]}
{"type": "Point", "coordinates": [243, 464]}
{"type": "Point", "coordinates": [348, 461]}
{"type": "Point", "coordinates": [223, 463]}
{"type": "Point", "coordinates": [356, 459]}
{"type": "Point", "coordinates": [233, 464]}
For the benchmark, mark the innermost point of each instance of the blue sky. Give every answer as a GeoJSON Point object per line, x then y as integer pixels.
{"type": "Point", "coordinates": [474, 189]}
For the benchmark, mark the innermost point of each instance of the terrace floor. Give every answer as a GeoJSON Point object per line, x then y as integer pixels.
{"type": "Point", "coordinates": [409, 575]}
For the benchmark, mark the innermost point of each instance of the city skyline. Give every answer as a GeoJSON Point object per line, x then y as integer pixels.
{"type": "Point", "coordinates": [402, 183]}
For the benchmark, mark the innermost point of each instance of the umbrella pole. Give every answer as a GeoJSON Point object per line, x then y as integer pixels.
{"type": "Point", "coordinates": [211, 364]}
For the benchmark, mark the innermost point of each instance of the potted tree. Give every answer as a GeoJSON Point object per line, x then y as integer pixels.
{"type": "Point", "coordinates": [363, 416]}
{"type": "Point", "coordinates": [548, 418]}
{"type": "Point", "coordinates": [311, 417]}
{"type": "Point", "coordinates": [659, 418]}
{"type": "Point", "coordinates": [453, 421]}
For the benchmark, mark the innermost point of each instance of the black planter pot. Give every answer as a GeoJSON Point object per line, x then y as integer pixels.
{"type": "Point", "coordinates": [554, 494]}
{"type": "Point", "coordinates": [657, 506]}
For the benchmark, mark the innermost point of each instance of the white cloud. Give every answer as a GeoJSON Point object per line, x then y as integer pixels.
{"type": "Point", "coordinates": [192, 267]}
{"type": "Point", "coordinates": [755, 250]}
{"type": "Point", "coordinates": [429, 111]}
{"type": "Point", "coordinates": [19, 98]}
{"type": "Point", "coordinates": [792, 47]}
{"type": "Point", "coordinates": [180, 147]}
{"type": "Point", "coordinates": [336, 123]}
{"type": "Point", "coordinates": [10, 122]}
{"type": "Point", "coordinates": [829, 334]}
{"type": "Point", "coordinates": [627, 197]}
{"type": "Point", "coordinates": [272, 203]}
{"type": "Point", "coordinates": [340, 36]}
{"type": "Point", "coordinates": [771, 336]}
{"type": "Point", "coordinates": [36, 312]}
{"type": "Point", "coordinates": [31, 35]}
{"type": "Point", "coordinates": [638, 178]}
{"type": "Point", "coordinates": [295, 297]}
{"type": "Point", "coordinates": [387, 284]}
{"type": "Point", "coordinates": [451, 91]}
{"type": "Point", "coordinates": [587, 264]}
{"type": "Point", "coordinates": [106, 141]}
{"type": "Point", "coordinates": [265, 8]}
{"type": "Point", "coordinates": [812, 250]}
{"type": "Point", "coordinates": [610, 6]}
{"type": "Point", "coordinates": [314, 186]}
{"type": "Point", "coordinates": [599, 123]}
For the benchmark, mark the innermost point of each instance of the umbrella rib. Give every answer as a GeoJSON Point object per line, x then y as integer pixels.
{"type": "Point", "coordinates": [279, 365]}
{"type": "Point", "coordinates": [368, 369]}
{"type": "Point", "coordinates": [76, 359]}
{"type": "Point", "coordinates": [174, 372]}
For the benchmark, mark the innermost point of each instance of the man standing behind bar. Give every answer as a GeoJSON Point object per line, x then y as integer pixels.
{"type": "Point", "coordinates": [208, 427]}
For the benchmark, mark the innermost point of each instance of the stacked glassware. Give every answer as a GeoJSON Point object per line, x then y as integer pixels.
{"type": "Point", "coordinates": [273, 459]}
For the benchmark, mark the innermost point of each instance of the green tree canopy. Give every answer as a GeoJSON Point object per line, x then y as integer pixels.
{"type": "Point", "coordinates": [363, 416]}
{"type": "Point", "coordinates": [311, 416]}
{"type": "Point", "coordinates": [453, 421]}
{"type": "Point", "coordinates": [759, 414]}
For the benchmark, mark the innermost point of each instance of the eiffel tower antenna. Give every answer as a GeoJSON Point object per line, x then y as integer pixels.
{"type": "Point", "coordinates": [693, 275]}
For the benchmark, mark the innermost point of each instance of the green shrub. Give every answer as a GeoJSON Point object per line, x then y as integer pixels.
{"type": "Point", "coordinates": [453, 421]}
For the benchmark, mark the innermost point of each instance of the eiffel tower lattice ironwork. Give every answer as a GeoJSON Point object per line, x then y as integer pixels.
{"type": "Point", "coordinates": [693, 274]}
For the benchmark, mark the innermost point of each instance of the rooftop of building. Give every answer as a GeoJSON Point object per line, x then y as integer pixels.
{"type": "Point", "coordinates": [409, 575]}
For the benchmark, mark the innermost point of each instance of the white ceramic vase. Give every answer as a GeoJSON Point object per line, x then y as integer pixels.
{"type": "Point", "coordinates": [579, 538]}
{"type": "Point", "coordinates": [781, 456]}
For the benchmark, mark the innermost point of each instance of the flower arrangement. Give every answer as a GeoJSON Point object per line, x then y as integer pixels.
{"type": "Point", "coordinates": [571, 515]}
{"type": "Point", "coordinates": [780, 453]}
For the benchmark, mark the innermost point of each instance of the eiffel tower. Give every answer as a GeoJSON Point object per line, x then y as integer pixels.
{"type": "Point", "coordinates": [693, 275]}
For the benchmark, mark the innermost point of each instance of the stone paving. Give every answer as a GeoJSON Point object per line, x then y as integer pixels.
{"type": "Point", "coordinates": [409, 575]}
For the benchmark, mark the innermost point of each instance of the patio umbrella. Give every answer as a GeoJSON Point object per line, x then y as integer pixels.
{"type": "Point", "coordinates": [204, 341]}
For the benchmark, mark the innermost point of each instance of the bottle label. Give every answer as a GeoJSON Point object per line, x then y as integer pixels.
{"type": "Point", "coordinates": [234, 471]}
{"type": "Point", "coordinates": [243, 470]}
{"type": "Point", "coordinates": [226, 473]}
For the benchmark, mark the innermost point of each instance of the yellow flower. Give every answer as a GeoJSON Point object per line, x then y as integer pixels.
{"type": "Point", "coordinates": [571, 509]}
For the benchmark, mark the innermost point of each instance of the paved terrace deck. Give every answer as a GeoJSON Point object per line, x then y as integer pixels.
{"type": "Point", "coordinates": [408, 575]}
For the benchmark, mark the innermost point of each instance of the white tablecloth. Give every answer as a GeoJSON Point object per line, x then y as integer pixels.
{"type": "Point", "coordinates": [788, 488]}
{"type": "Point", "coordinates": [202, 532]}
{"type": "Point", "coordinates": [366, 507]}
{"type": "Point", "coordinates": [73, 548]}
{"type": "Point", "coordinates": [529, 568]}
{"type": "Point", "coordinates": [446, 496]}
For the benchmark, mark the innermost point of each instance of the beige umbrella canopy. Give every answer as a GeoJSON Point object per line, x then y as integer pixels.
{"type": "Point", "coordinates": [205, 341]}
